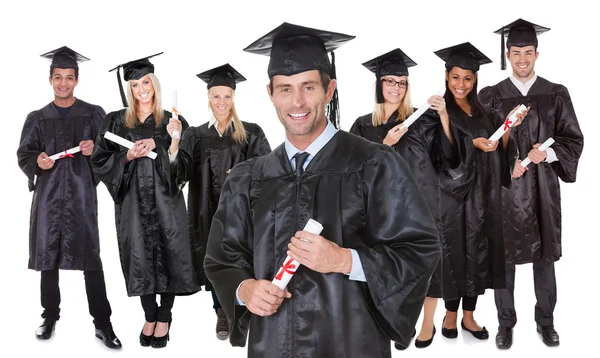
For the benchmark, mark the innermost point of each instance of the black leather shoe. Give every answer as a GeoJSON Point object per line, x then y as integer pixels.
{"type": "Point", "coordinates": [46, 329]}
{"type": "Point", "coordinates": [107, 335]}
{"type": "Point", "coordinates": [161, 342]}
{"type": "Point", "coordinates": [423, 344]}
{"type": "Point", "coordinates": [549, 335]}
{"type": "Point", "coordinates": [399, 346]}
{"type": "Point", "coordinates": [483, 334]}
{"type": "Point", "coordinates": [449, 332]}
{"type": "Point", "coordinates": [504, 337]}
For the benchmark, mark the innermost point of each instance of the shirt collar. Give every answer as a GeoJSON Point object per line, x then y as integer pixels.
{"type": "Point", "coordinates": [213, 120]}
{"type": "Point", "coordinates": [316, 145]}
{"type": "Point", "coordinates": [523, 87]}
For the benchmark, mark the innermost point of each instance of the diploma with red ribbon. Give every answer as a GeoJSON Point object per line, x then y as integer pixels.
{"type": "Point", "coordinates": [67, 153]}
{"type": "Point", "coordinates": [289, 266]}
{"type": "Point", "coordinates": [419, 112]}
{"type": "Point", "coordinates": [174, 111]}
{"type": "Point", "coordinates": [125, 143]}
{"type": "Point", "coordinates": [507, 124]}
{"type": "Point", "coordinates": [542, 147]}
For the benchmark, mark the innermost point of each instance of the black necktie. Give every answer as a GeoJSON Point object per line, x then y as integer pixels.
{"type": "Point", "coordinates": [300, 159]}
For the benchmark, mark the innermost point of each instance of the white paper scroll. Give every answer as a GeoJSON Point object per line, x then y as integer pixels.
{"type": "Point", "coordinates": [542, 147]}
{"type": "Point", "coordinates": [289, 266]}
{"type": "Point", "coordinates": [175, 111]}
{"type": "Point", "coordinates": [419, 112]}
{"type": "Point", "coordinates": [125, 143]}
{"type": "Point", "coordinates": [507, 124]}
{"type": "Point", "coordinates": [66, 153]}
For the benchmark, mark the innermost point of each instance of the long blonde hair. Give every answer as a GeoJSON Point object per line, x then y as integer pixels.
{"type": "Point", "coordinates": [131, 118]}
{"type": "Point", "coordinates": [404, 111]}
{"type": "Point", "coordinates": [239, 133]}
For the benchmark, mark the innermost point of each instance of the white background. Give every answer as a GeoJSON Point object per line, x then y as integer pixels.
{"type": "Point", "coordinates": [207, 34]}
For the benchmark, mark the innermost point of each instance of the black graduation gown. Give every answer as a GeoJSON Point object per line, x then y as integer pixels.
{"type": "Point", "coordinates": [150, 213]}
{"type": "Point", "coordinates": [203, 159]}
{"type": "Point", "coordinates": [421, 148]}
{"type": "Point", "coordinates": [346, 187]}
{"type": "Point", "coordinates": [532, 220]}
{"type": "Point", "coordinates": [473, 249]}
{"type": "Point", "coordinates": [64, 210]}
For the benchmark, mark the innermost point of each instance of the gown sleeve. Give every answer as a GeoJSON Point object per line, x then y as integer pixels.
{"type": "Point", "coordinates": [30, 147]}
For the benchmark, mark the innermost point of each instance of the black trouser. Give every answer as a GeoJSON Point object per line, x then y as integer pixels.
{"type": "Point", "coordinates": [468, 304]}
{"type": "Point", "coordinates": [544, 283]}
{"type": "Point", "coordinates": [216, 303]}
{"type": "Point", "coordinates": [154, 312]}
{"type": "Point", "coordinates": [94, 288]}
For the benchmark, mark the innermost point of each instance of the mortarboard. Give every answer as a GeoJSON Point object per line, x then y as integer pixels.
{"type": "Point", "coordinates": [519, 33]}
{"type": "Point", "coordinates": [64, 57]}
{"type": "Point", "coordinates": [393, 63]}
{"type": "Point", "coordinates": [224, 75]}
{"type": "Point", "coordinates": [295, 49]}
{"type": "Point", "coordinates": [134, 70]}
{"type": "Point", "coordinates": [464, 55]}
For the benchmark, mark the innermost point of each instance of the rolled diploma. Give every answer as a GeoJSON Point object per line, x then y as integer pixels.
{"type": "Point", "coordinates": [500, 132]}
{"type": "Point", "coordinates": [419, 112]}
{"type": "Point", "coordinates": [289, 267]}
{"type": "Point", "coordinates": [68, 151]}
{"type": "Point", "coordinates": [175, 112]}
{"type": "Point", "coordinates": [542, 147]}
{"type": "Point", "coordinates": [125, 143]}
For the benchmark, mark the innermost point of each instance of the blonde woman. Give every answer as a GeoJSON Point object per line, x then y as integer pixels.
{"type": "Point", "coordinates": [150, 213]}
{"type": "Point", "coordinates": [206, 155]}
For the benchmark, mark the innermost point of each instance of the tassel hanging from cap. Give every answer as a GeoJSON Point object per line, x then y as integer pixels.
{"type": "Point", "coordinates": [123, 98]}
{"type": "Point", "coordinates": [502, 55]}
{"type": "Point", "coordinates": [333, 110]}
{"type": "Point", "coordinates": [378, 89]}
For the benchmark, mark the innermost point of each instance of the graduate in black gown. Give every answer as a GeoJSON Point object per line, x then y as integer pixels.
{"type": "Point", "coordinates": [427, 146]}
{"type": "Point", "coordinates": [361, 283]}
{"type": "Point", "coordinates": [150, 213]}
{"type": "Point", "coordinates": [206, 155]}
{"type": "Point", "coordinates": [63, 233]}
{"type": "Point", "coordinates": [532, 213]}
{"type": "Point", "coordinates": [473, 259]}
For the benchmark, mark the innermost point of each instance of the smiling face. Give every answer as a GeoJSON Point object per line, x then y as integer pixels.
{"type": "Point", "coordinates": [63, 81]}
{"type": "Point", "coordinates": [394, 88]}
{"type": "Point", "coordinates": [221, 100]}
{"type": "Point", "coordinates": [522, 60]}
{"type": "Point", "coordinates": [300, 101]}
{"type": "Point", "coordinates": [460, 82]}
{"type": "Point", "coordinates": [142, 90]}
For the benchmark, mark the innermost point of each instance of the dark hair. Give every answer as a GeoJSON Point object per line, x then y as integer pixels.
{"type": "Point", "coordinates": [76, 72]}
{"type": "Point", "coordinates": [325, 80]}
{"type": "Point", "coordinates": [472, 97]}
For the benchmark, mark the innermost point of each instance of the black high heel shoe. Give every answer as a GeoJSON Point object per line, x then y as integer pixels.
{"type": "Point", "coordinates": [161, 342]}
{"type": "Point", "coordinates": [449, 332]}
{"type": "Point", "coordinates": [483, 334]}
{"type": "Point", "coordinates": [146, 340]}
{"type": "Point", "coordinates": [423, 344]}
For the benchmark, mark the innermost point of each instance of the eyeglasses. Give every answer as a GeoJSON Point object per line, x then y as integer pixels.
{"type": "Point", "coordinates": [390, 82]}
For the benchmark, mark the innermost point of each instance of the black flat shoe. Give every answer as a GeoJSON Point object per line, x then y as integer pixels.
{"type": "Point", "coordinates": [423, 344]}
{"type": "Point", "coordinates": [144, 339]}
{"type": "Point", "coordinates": [107, 335]}
{"type": "Point", "coordinates": [449, 332]}
{"type": "Point", "coordinates": [46, 329]}
{"type": "Point", "coordinates": [161, 342]}
{"type": "Point", "coordinates": [549, 335]}
{"type": "Point", "coordinates": [504, 337]}
{"type": "Point", "coordinates": [483, 334]}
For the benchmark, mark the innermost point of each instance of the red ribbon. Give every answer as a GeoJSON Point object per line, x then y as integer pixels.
{"type": "Point", "coordinates": [287, 267]}
{"type": "Point", "coordinates": [66, 155]}
{"type": "Point", "coordinates": [507, 124]}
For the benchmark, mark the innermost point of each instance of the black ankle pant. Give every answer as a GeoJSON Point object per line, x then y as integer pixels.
{"type": "Point", "coordinates": [468, 304]}
{"type": "Point", "coordinates": [153, 311]}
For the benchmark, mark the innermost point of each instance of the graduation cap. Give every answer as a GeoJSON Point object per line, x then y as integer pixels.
{"type": "Point", "coordinates": [521, 33]}
{"type": "Point", "coordinates": [224, 75]}
{"type": "Point", "coordinates": [64, 57]}
{"type": "Point", "coordinates": [464, 55]}
{"type": "Point", "coordinates": [393, 63]}
{"type": "Point", "coordinates": [134, 70]}
{"type": "Point", "coordinates": [295, 49]}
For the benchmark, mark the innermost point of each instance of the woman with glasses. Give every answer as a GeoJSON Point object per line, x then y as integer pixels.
{"type": "Point", "coordinates": [473, 245]}
{"type": "Point", "coordinates": [430, 147]}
